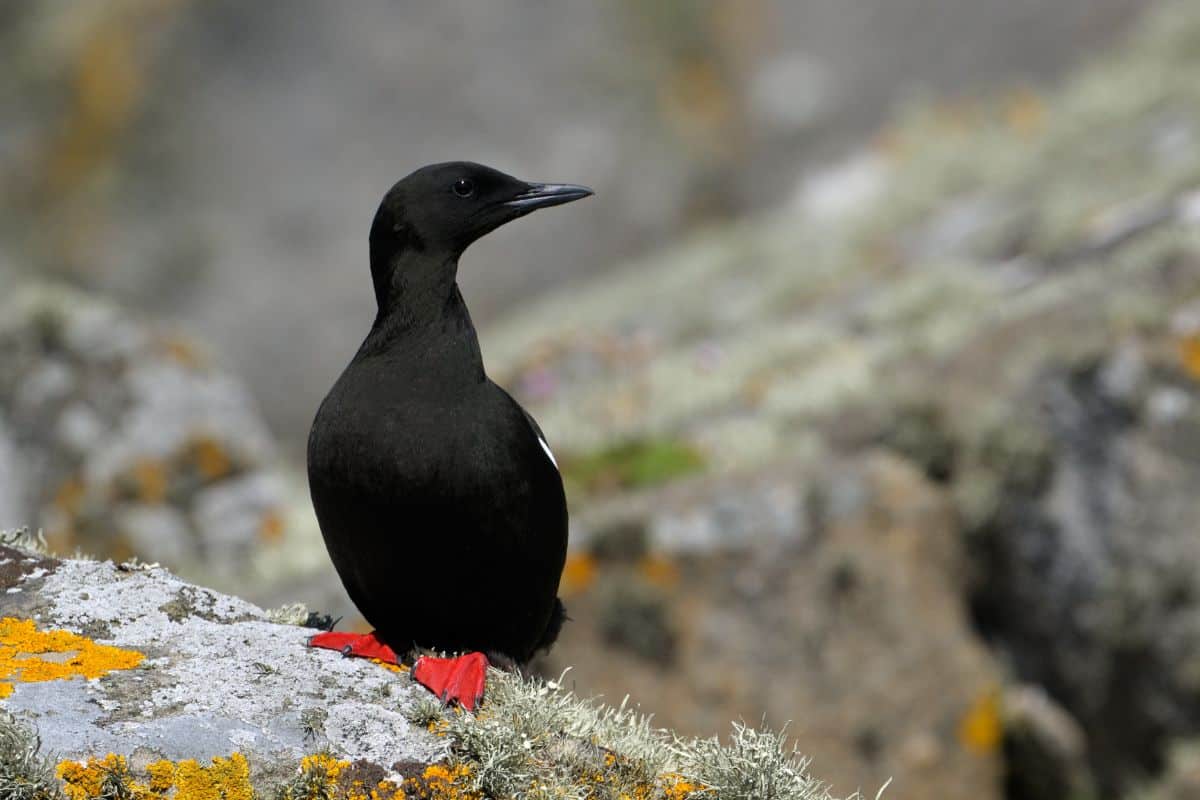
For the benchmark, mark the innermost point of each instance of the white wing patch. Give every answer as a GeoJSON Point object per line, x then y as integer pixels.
{"type": "Point", "coordinates": [546, 447]}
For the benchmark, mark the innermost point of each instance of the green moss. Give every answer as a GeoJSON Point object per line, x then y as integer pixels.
{"type": "Point", "coordinates": [633, 464]}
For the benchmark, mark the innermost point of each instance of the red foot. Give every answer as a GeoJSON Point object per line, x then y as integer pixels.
{"type": "Point", "coordinates": [458, 679]}
{"type": "Point", "coordinates": [363, 645]}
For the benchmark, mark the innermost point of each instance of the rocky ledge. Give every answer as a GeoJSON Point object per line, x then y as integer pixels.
{"type": "Point", "coordinates": [123, 681]}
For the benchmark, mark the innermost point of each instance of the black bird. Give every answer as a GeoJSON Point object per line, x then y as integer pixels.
{"type": "Point", "coordinates": [438, 497]}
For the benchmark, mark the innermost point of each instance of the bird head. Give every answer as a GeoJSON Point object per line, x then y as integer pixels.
{"type": "Point", "coordinates": [443, 208]}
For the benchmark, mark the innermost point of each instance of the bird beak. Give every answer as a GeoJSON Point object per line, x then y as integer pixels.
{"type": "Point", "coordinates": [544, 195]}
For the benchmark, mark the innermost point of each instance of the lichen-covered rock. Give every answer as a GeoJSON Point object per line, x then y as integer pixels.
{"type": "Point", "coordinates": [131, 660]}
{"type": "Point", "coordinates": [118, 438]}
{"type": "Point", "coordinates": [145, 687]}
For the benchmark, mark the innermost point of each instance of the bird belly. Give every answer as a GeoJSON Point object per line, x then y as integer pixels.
{"type": "Point", "coordinates": [440, 554]}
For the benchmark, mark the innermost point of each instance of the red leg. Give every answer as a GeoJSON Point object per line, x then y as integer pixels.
{"type": "Point", "coordinates": [363, 645]}
{"type": "Point", "coordinates": [458, 679]}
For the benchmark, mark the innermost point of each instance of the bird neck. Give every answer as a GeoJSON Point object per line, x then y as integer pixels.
{"type": "Point", "coordinates": [413, 284]}
{"type": "Point", "coordinates": [422, 317]}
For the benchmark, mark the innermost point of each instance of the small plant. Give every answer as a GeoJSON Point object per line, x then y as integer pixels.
{"type": "Point", "coordinates": [25, 539]}
{"type": "Point", "coordinates": [25, 774]}
{"type": "Point", "coordinates": [755, 765]}
{"type": "Point", "coordinates": [535, 739]}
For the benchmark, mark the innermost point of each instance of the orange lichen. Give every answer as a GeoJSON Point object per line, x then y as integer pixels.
{"type": "Point", "coordinates": [70, 495]}
{"type": "Point", "coordinates": [70, 655]}
{"type": "Point", "coordinates": [210, 457]}
{"type": "Point", "coordinates": [150, 481]}
{"type": "Point", "coordinates": [270, 529]}
{"type": "Point", "coordinates": [183, 350]}
{"type": "Point", "coordinates": [1024, 112]}
{"type": "Point", "coordinates": [982, 726]}
{"type": "Point", "coordinates": [60, 537]}
{"type": "Point", "coordinates": [659, 571]}
{"type": "Point", "coordinates": [226, 779]}
{"type": "Point", "coordinates": [1189, 355]}
{"type": "Point", "coordinates": [578, 574]}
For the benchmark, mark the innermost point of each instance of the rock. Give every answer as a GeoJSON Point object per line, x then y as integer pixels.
{"type": "Point", "coordinates": [140, 684]}
{"type": "Point", "coordinates": [1098, 553]}
{"type": "Point", "coordinates": [1045, 748]}
{"type": "Point", "coordinates": [186, 673]}
{"type": "Point", "coordinates": [121, 438]}
{"type": "Point", "coordinates": [852, 624]}
{"type": "Point", "coordinates": [1181, 779]}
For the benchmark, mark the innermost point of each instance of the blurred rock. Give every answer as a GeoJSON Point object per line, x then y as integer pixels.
{"type": "Point", "coordinates": [1181, 780]}
{"type": "Point", "coordinates": [1015, 320]}
{"type": "Point", "coordinates": [120, 439]}
{"type": "Point", "coordinates": [855, 629]}
{"type": "Point", "coordinates": [1045, 750]}
{"type": "Point", "coordinates": [219, 161]}
{"type": "Point", "coordinates": [1089, 575]}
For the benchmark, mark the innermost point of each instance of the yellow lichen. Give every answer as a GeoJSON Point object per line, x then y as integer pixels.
{"type": "Point", "coordinates": [325, 776]}
{"type": "Point", "coordinates": [70, 655]}
{"type": "Point", "coordinates": [578, 574]}
{"type": "Point", "coordinates": [69, 495]}
{"type": "Point", "coordinates": [271, 528]}
{"type": "Point", "coordinates": [150, 481]}
{"type": "Point", "coordinates": [659, 570]}
{"type": "Point", "coordinates": [226, 779]}
{"type": "Point", "coordinates": [86, 780]}
{"type": "Point", "coordinates": [982, 726]}
{"type": "Point", "coordinates": [1024, 112]}
{"type": "Point", "coordinates": [183, 351]}
{"type": "Point", "coordinates": [323, 761]}
{"type": "Point", "coordinates": [1189, 354]}
{"type": "Point", "coordinates": [442, 782]}
{"type": "Point", "coordinates": [210, 457]}
{"type": "Point", "coordinates": [162, 775]}
{"type": "Point", "coordinates": [390, 667]}
{"type": "Point", "coordinates": [676, 787]}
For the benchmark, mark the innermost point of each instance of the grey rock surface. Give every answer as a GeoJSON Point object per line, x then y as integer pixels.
{"type": "Point", "coordinates": [118, 437]}
{"type": "Point", "coordinates": [216, 675]}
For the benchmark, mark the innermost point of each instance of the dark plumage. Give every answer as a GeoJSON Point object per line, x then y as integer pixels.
{"type": "Point", "coordinates": [440, 503]}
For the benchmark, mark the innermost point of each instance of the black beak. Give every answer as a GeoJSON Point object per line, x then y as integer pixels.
{"type": "Point", "coordinates": [544, 195]}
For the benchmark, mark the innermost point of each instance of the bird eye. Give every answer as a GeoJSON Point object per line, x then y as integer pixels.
{"type": "Point", "coordinates": [464, 187]}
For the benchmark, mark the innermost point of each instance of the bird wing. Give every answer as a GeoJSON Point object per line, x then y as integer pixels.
{"type": "Point", "coordinates": [537, 429]}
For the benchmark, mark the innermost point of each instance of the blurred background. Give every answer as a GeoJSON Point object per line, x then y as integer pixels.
{"type": "Point", "coordinates": [873, 367]}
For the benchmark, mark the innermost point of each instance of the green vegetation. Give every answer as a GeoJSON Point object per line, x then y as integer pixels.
{"type": "Point", "coordinates": [534, 738]}
{"type": "Point", "coordinates": [25, 774]}
{"type": "Point", "coordinates": [634, 464]}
